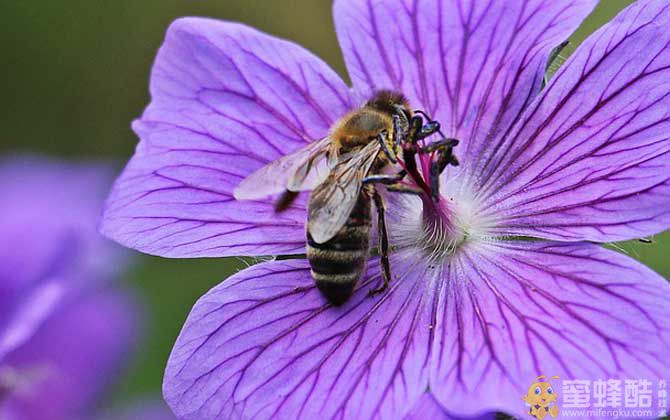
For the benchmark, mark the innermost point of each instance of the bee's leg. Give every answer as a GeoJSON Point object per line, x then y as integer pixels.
{"type": "Point", "coordinates": [382, 138]}
{"type": "Point", "coordinates": [415, 128]}
{"type": "Point", "coordinates": [285, 200]}
{"type": "Point", "coordinates": [410, 147]}
{"type": "Point", "coordinates": [392, 183]}
{"type": "Point", "coordinates": [399, 130]}
{"type": "Point", "coordinates": [403, 189]}
{"type": "Point", "coordinates": [384, 179]}
{"type": "Point", "coordinates": [383, 243]}
{"type": "Point", "coordinates": [409, 152]}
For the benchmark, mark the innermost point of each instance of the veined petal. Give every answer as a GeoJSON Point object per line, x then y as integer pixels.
{"type": "Point", "coordinates": [473, 65]}
{"type": "Point", "coordinates": [264, 344]}
{"type": "Point", "coordinates": [590, 160]}
{"type": "Point", "coordinates": [512, 312]}
{"type": "Point", "coordinates": [429, 408]}
{"type": "Point", "coordinates": [226, 100]}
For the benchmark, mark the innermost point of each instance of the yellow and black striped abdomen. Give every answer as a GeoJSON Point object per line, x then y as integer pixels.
{"type": "Point", "coordinates": [338, 263]}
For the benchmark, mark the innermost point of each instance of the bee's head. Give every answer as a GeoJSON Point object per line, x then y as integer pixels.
{"type": "Point", "coordinates": [390, 102]}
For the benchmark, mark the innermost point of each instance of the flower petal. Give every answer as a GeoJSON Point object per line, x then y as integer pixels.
{"type": "Point", "coordinates": [264, 344]}
{"type": "Point", "coordinates": [226, 100]}
{"type": "Point", "coordinates": [591, 158]}
{"type": "Point", "coordinates": [72, 357]}
{"type": "Point", "coordinates": [429, 408]}
{"type": "Point", "coordinates": [473, 64]}
{"type": "Point", "coordinates": [27, 313]}
{"type": "Point", "coordinates": [42, 256]}
{"type": "Point", "coordinates": [62, 242]}
{"type": "Point", "coordinates": [512, 312]}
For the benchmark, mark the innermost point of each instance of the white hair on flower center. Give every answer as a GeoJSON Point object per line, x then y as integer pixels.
{"type": "Point", "coordinates": [415, 222]}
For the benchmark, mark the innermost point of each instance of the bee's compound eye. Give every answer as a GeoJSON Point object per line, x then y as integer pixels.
{"type": "Point", "coordinates": [538, 391]}
{"type": "Point", "coordinates": [550, 391]}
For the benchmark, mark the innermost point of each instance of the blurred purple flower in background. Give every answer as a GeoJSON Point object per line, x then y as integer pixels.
{"type": "Point", "coordinates": [475, 312]}
{"type": "Point", "coordinates": [65, 330]}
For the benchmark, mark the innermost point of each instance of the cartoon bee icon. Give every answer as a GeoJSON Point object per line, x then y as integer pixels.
{"type": "Point", "coordinates": [541, 398]}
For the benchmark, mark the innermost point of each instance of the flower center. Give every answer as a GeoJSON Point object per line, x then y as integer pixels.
{"type": "Point", "coordinates": [440, 233]}
{"type": "Point", "coordinates": [441, 223]}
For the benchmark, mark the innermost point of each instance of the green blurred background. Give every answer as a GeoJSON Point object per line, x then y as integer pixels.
{"type": "Point", "coordinates": [75, 73]}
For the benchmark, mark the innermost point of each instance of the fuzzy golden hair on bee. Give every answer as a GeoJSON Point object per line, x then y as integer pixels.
{"type": "Point", "coordinates": [387, 100]}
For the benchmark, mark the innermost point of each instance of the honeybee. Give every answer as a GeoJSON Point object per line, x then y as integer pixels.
{"type": "Point", "coordinates": [341, 170]}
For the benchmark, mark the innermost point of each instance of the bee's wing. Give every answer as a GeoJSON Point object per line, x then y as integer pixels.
{"type": "Point", "coordinates": [303, 169]}
{"type": "Point", "coordinates": [332, 201]}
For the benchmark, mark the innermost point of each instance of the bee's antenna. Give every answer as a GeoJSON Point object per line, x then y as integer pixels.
{"type": "Point", "coordinates": [424, 113]}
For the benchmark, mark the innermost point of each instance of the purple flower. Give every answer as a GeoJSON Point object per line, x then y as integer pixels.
{"type": "Point", "coordinates": [474, 313]}
{"type": "Point", "coordinates": [64, 330]}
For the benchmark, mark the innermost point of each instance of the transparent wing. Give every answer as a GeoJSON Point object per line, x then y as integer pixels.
{"type": "Point", "coordinates": [303, 169]}
{"type": "Point", "coordinates": [332, 201]}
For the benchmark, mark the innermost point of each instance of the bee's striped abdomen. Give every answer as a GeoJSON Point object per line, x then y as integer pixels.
{"type": "Point", "coordinates": [338, 263]}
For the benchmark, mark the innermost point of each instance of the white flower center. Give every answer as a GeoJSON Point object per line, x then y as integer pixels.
{"type": "Point", "coordinates": [441, 233]}
{"type": "Point", "coordinates": [439, 229]}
